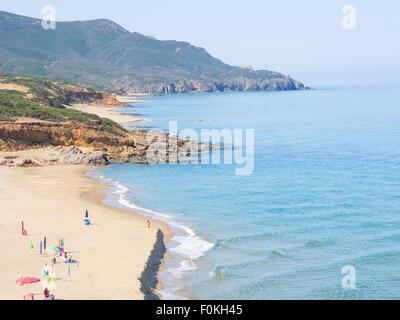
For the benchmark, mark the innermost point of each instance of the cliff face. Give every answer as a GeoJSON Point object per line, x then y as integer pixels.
{"type": "Point", "coordinates": [130, 147]}
{"type": "Point", "coordinates": [18, 136]}
{"type": "Point", "coordinates": [94, 97]}
{"type": "Point", "coordinates": [65, 137]}
{"type": "Point", "coordinates": [237, 84]}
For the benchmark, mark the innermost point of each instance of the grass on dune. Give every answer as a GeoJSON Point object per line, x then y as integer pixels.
{"type": "Point", "coordinates": [14, 104]}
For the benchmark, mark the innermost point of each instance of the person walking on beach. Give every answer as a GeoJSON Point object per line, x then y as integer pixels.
{"type": "Point", "coordinates": [148, 223]}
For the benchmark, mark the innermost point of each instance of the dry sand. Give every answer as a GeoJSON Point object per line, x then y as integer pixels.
{"type": "Point", "coordinates": [132, 98]}
{"type": "Point", "coordinates": [112, 252]}
{"type": "Point", "coordinates": [13, 86]}
{"type": "Point", "coordinates": [107, 112]}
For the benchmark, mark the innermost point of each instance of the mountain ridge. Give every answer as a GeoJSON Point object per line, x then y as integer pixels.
{"type": "Point", "coordinates": [102, 53]}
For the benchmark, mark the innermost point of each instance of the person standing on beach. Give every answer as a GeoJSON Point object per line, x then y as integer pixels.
{"type": "Point", "coordinates": [45, 271]}
{"type": "Point", "coordinates": [148, 223]}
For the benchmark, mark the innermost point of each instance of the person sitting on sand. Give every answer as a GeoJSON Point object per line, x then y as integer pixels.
{"type": "Point", "coordinates": [65, 258]}
{"type": "Point", "coordinates": [47, 295]}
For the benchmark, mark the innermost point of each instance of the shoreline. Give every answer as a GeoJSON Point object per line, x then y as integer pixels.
{"type": "Point", "coordinates": [183, 247]}
{"type": "Point", "coordinates": [155, 263]}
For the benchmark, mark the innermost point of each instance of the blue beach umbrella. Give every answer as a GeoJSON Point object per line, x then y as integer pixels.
{"type": "Point", "coordinates": [69, 270]}
{"type": "Point", "coordinates": [40, 247]}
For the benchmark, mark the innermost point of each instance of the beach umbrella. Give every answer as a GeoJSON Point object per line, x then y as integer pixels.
{"type": "Point", "coordinates": [62, 242]}
{"type": "Point", "coordinates": [69, 269]}
{"type": "Point", "coordinates": [87, 214]}
{"type": "Point", "coordinates": [31, 245]}
{"type": "Point", "coordinates": [44, 243]}
{"type": "Point", "coordinates": [40, 247]}
{"type": "Point", "coordinates": [54, 249]}
{"type": "Point", "coordinates": [26, 280]}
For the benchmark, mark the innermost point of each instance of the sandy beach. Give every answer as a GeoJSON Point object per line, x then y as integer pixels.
{"type": "Point", "coordinates": [133, 98]}
{"type": "Point", "coordinates": [113, 253]}
{"type": "Point", "coordinates": [107, 112]}
{"type": "Point", "coordinates": [110, 112]}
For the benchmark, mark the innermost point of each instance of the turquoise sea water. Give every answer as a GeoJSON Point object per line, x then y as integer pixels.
{"type": "Point", "coordinates": [324, 194]}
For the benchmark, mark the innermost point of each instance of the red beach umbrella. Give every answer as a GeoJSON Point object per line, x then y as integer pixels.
{"type": "Point", "coordinates": [26, 280]}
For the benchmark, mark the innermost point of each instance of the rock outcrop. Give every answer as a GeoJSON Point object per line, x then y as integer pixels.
{"type": "Point", "coordinates": [65, 140]}
{"type": "Point", "coordinates": [18, 136]}
{"type": "Point", "coordinates": [76, 156]}
{"type": "Point", "coordinates": [53, 155]}
{"type": "Point", "coordinates": [22, 136]}
{"type": "Point", "coordinates": [94, 97]}
{"type": "Point", "coordinates": [197, 86]}
{"type": "Point", "coordinates": [28, 163]}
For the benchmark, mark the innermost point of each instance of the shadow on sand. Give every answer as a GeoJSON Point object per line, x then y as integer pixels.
{"type": "Point", "coordinates": [148, 278]}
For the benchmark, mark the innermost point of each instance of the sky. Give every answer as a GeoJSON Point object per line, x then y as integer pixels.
{"type": "Point", "coordinates": [303, 39]}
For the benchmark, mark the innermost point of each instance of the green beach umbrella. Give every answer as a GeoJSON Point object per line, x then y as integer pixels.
{"type": "Point", "coordinates": [31, 245]}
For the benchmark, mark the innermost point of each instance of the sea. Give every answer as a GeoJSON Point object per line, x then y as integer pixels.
{"type": "Point", "coordinates": [316, 217]}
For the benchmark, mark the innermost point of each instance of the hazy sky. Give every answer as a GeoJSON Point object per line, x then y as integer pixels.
{"type": "Point", "coordinates": [304, 39]}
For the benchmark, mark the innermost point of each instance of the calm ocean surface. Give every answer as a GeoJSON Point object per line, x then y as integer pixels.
{"type": "Point", "coordinates": [324, 194]}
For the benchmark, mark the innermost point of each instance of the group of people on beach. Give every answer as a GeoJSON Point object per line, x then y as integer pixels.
{"type": "Point", "coordinates": [46, 274]}
{"type": "Point", "coordinates": [61, 253]}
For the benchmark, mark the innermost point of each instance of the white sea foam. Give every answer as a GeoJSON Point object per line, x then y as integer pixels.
{"type": "Point", "coordinates": [186, 248]}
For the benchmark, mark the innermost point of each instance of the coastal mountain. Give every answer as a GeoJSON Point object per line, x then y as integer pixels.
{"type": "Point", "coordinates": [105, 55]}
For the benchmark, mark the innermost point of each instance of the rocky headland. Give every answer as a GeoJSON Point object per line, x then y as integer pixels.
{"type": "Point", "coordinates": [35, 115]}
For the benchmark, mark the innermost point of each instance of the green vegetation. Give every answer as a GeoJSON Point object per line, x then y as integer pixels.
{"type": "Point", "coordinates": [46, 91]}
{"type": "Point", "coordinates": [13, 104]}
{"type": "Point", "coordinates": [48, 106]}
